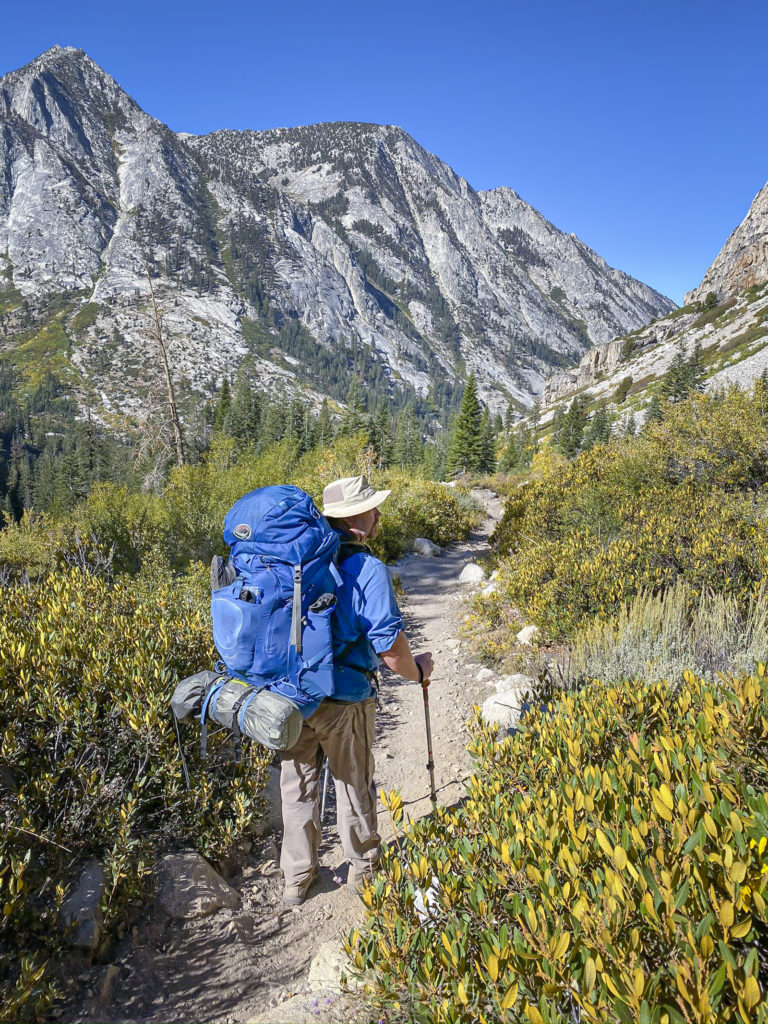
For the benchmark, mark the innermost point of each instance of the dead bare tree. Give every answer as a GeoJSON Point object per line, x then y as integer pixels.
{"type": "Point", "coordinates": [158, 335]}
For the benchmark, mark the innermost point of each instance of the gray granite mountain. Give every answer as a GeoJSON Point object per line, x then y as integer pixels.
{"type": "Point", "coordinates": [315, 252]}
{"type": "Point", "coordinates": [743, 260]}
{"type": "Point", "coordinates": [729, 333]}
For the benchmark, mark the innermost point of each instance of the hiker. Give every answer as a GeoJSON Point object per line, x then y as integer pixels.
{"type": "Point", "coordinates": [366, 626]}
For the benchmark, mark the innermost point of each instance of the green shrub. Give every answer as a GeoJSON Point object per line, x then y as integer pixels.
{"type": "Point", "coordinates": [90, 765]}
{"type": "Point", "coordinates": [118, 530]}
{"type": "Point", "coordinates": [711, 313]}
{"type": "Point", "coordinates": [684, 500]}
{"type": "Point", "coordinates": [608, 863]}
{"type": "Point", "coordinates": [656, 636]}
{"type": "Point", "coordinates": [421, 508]}
{"type": "Point", "coordinates": [622, 390]}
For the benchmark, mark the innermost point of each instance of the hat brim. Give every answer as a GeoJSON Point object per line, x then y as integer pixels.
{"type": "Point", "coordinates": [340, 509]}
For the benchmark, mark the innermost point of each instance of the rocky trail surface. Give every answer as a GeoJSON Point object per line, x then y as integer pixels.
{"type": "Point", "coordinates": [254, 959]}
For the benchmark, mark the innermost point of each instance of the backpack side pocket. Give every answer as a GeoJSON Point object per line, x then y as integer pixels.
{"type": "Point", "coordinates": [316, 673]}
{"type": "Point", "coordinates": [238, 625]}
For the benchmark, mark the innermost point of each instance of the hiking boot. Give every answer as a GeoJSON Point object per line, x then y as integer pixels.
{"type": "Point", "coordinates": [355, 878]}
{"type": "Point", "coordinates": [296, 894]}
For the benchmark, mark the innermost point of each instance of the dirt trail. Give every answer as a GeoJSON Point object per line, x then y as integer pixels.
{"type": "Point", "coordinates": [251, 964]}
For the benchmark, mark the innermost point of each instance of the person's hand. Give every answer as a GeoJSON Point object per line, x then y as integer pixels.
{"type": "Point", "coordinates": [425, 663]}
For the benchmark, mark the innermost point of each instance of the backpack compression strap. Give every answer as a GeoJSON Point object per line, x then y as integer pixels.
{"type": "Point", "coordinates": [295, 640]}
{"type": "Point", "coordinates": [238, 717]}
{"type": "Point", "coordinates": [213, 690]}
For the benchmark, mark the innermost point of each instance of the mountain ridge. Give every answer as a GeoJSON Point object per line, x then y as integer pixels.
{"type": "Point", "coordinates": [724, 325]}
{"type": "Point", "coordinates": [311, 252]}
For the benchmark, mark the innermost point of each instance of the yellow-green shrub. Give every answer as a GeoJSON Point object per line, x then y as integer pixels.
{"type": "Point", "coordinates": [118, 530]}
{"type": "Point", "coordinates": [88, 752]}
{"type": "Point", "coordinates": [610, 855]}
{"type": "Point", "coordinates": [585, 536]}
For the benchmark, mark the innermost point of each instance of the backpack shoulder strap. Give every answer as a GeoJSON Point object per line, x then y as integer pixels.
{"type": "Point", "coordinates": [347, 548]}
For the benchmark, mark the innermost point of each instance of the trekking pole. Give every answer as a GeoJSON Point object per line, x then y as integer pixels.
{"type": "Point", "coordinates": [326, 773]}
{"type": "Point", "coordinates": [181, 752]}
{"type": "Point", "coordinates": [430, 762]}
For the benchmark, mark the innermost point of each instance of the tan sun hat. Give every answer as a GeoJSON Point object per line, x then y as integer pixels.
{"type": "Point", "coordinates": [350, 496]}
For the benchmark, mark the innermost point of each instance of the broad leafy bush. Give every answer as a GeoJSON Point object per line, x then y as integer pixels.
{"type": "Point", "coordinates": [685, 500]}
{"type": "Point", "coordinates": [122, 529]}
{"type": "Point", "coordinates": [421, 508]}
{"type": "Point", "coordinates": [609, 861]}
{"type": "Point", "coordinates": [90, 765]}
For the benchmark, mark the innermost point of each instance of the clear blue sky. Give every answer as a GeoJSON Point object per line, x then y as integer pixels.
{"type": "Point", "coordinates": [639, 126]}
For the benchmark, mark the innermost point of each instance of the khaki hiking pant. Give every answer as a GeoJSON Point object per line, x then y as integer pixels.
{"type": "Point", "coordinates": [344, 733]}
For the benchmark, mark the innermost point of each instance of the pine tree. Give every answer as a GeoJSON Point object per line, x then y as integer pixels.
{"type": "Point", "coordinates": [242, 415]}
{"type": "Point", "coordinates": [488, 441]}
{"type": "Point", "coordinates": [273, 423]}
{"type": "Point", "coordinates": [509, 418]}
{"type": "Point", "coordinates": [222, 407]}
{"type": "Point", "coordinates": [466, 452]}
{"type": "Point", "coordinates": [598, 429]}
{"type": "Point", "coordinates": [572, 428]}
{"type": "Point", "coordinates": [655, 409]}
{"type": "Point", "coordinates": [353, 420]}
{"type": "Point", "coordinates": [407, 446]}
{"type": "Point", "coordinates": [382, 435]}
{"type": "Point", "coordinates": [630, 427]}
{"type": "Point", "coordinates": [324, 425]}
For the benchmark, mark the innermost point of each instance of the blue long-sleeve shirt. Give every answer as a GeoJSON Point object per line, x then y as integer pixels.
{"type": "Point", "coordinates": [365, 623]}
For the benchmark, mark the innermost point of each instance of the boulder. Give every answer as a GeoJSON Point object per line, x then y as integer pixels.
{"type": "Point", "coordinates": [80, 913]}
{"type": "Point", "coordinates": [503, 708]}
{"type": "Point", "coordinates": [516, 682]}
{"type": "Point", "coordinates": [447, 483]}
{"type": "Point", "coordinates": [426, 548]}
{"type": "Point", "coordinates": [471, 573]}
{"type": "Point", "coordinates": [188, 887]}
{"type": "Point", "coordinates": [489, 588]}
{"type": "Point", "coordinates": [527, 634]}
{"type": "Point", "coordinates": [485, 675]}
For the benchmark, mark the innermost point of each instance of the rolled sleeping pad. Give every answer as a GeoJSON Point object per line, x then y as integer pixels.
{"type": "Point", "coordinates": [188, 697]}
{"type": "Point", "coordinates": [264, 716]}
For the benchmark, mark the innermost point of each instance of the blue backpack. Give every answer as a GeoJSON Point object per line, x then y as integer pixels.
{"type": "Point", "coordinates": [272, 626]}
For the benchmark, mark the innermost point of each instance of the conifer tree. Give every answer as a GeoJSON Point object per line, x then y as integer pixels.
{"type": "Point", "coordinates": [407, 447]}
{"type": "Point", "coordinates": [509, 418]}
{"type": "Point", "coordinates": [382, 435]}
{"type": "Point", "coordinates": [488, 441]}
{"type": "Point", "coordinates": [324, 425]}
{"type": "Point", "coordinates": [242, 417]}
{"type": "Point", "coordinates": [655, 409]}
{"type": "Point", "coordinates": [222, 406]}
{"type": "Point", "coordinates": [353, 420]}
{"type": "Point", "coordinates": [273, 423]}
{"type": "Point", "coordinates": [572, 427]}
{"type": "Point", "coordinates": [466, 452]}
{"type": "Point", "coordinates": [598, 429]}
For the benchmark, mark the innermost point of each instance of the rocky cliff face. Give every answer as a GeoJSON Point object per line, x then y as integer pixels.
{"type": "Point", "coordinates": [743, 260]}
{"type": "Point", "coordinates": [317, 252]}
{"type": "Point", "coordinates": [733, 335]}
